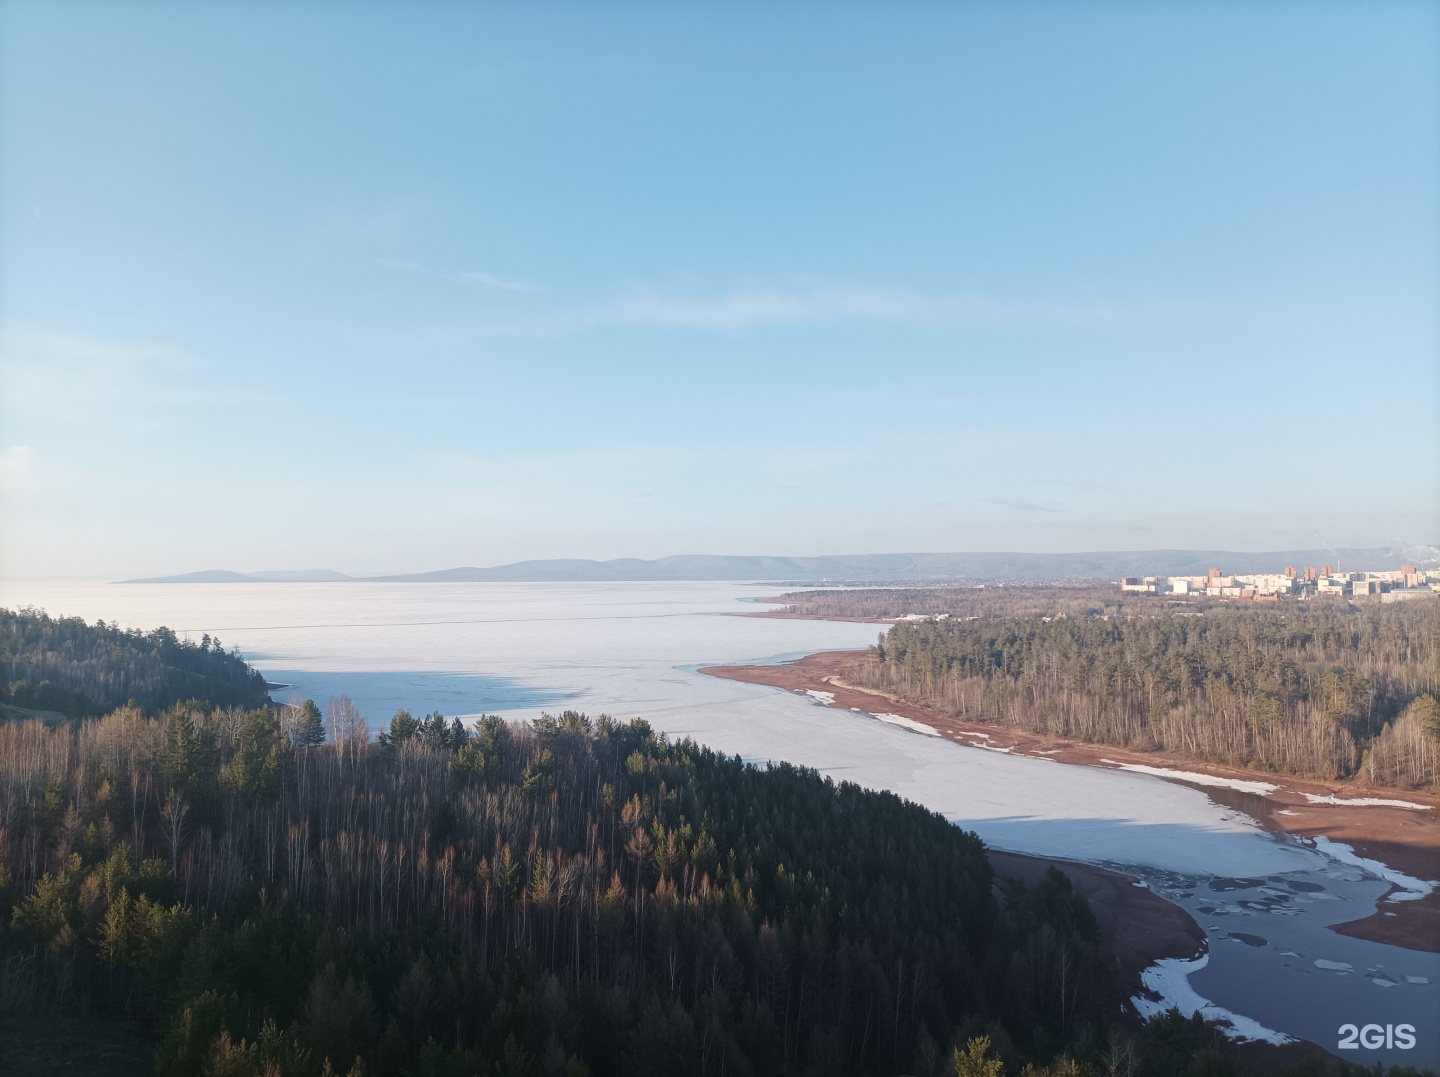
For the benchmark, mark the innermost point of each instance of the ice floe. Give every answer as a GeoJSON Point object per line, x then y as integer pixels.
{"type": "Point", "coordinates": [1244, 786]}
{"type": "Point", "coordinates": [1333, 966]}
{"type": "Point", "coordinates": [1411, 888]}
{"type": "Point", "coordinates": [1169, 978]}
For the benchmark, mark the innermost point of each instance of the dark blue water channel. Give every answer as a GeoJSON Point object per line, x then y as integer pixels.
{"type": "Point", "coordinates": [1274, 958]}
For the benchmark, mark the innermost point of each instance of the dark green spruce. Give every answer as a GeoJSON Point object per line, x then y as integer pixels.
{"type": "Point", "coordinates": [66, 666]}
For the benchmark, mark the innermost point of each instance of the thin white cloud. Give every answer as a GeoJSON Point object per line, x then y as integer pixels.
{"type": "Point", "coordinates": [790, 306]}
{"type": "Point", "coordinates": [744, 310]}
{"type": "Point", "coordinates": [750, 309]}
{"type": "Point", "coordinates": [15, 466]}
{"type": "Point", "coordinates": [102, 383]}
{"type": "Point", "coordinates": [1021, 505]}
{"type": "Point", "coordinates": [489, 280]}
{"type": "Point", "coordinates": [472, 278]}
{"type": "Point", "coordinates": [89, 356]}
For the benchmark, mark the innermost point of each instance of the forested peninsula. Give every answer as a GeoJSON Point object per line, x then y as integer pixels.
{"type": "Point", "coordinates": [268, 892]}
{"type": "Point", "coordinates": [65, 667]}
{"type": "Point", "coordinates": [1320, 690]}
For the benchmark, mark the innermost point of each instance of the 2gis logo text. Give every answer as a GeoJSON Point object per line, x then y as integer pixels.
{"type": "Point", "coordinates": [1374, 1037]}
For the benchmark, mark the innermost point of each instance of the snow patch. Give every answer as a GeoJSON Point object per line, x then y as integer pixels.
{"type": "Point", "coordinates": [1263, 788]}
{"type": "Point", "coordinates": [1365, 802]}
{"type": "Point", "coordinates": [907, 723]}
{"type": "Point", "coordinates": [1412, 889]}
{"type": "Point", "coordinates": [826, 698]}
{"type": "Point", "coordinates": [980, 740]}
{"type": "Point", "coordinates": [1169, 979]}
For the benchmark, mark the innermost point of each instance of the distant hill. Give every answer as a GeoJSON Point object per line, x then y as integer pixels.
{"type": "Point", "coordinates": [861, 567]}
{"type": "Point", "coordinates": [220, 575]}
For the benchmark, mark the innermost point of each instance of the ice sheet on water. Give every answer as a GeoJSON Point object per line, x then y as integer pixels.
{"type": "Point", "coordinates": [1169, 979]}
{"type": "Point", "coordinates": [1410, 888]}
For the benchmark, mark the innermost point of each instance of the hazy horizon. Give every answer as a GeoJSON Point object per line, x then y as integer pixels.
{"type": "Point", "coordinates": [1106, 565]}
{"type": "Point", "coordinates": [346, 287]}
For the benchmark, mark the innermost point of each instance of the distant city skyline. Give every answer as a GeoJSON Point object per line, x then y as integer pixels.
{"type": "Point", "coordinates": [392, 288]}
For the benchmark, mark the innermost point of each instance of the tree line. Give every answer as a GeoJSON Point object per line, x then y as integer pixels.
{"type": "Point", "coordinates": [964, 600]}
{"type": "Point", "coordinates": [1319, 690]}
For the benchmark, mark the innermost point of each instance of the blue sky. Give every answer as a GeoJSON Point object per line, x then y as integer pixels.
{"type": "Point", "coordinates": [396, 286]}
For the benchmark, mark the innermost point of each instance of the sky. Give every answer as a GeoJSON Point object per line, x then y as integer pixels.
{"type": "Point", "coordinates": [395, 287]}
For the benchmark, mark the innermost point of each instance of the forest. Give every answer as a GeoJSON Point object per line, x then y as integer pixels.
{"type": "Point", "coordinates": [989, 600]}
{"type": "Point", "coordinates": [67, 667]}
{"type": "Point", "coordinates": [563, 897]}
{"type": "Point", "coordinates": [272, 892]}
{"type": "Point", "coordinates": [1322, 690]}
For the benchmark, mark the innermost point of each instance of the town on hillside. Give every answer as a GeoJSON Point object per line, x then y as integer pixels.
{"type": "Point", "coordinates": [1407, 582]}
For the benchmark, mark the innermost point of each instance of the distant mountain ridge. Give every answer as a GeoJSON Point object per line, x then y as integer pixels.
{"type": "Point", "coordinates": [867, 567]}
{"type": "Point", "coordinates": [220, 575]}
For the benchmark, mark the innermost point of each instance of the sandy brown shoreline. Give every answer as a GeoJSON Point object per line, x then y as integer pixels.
{"type": "Point", "coordinates": [1405, 839]}
{"type": "Point", "coordinates": [1137, 926]}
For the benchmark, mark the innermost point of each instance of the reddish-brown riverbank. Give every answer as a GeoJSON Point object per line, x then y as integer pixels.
{"type": "Point", "coordinates": [1405, 839]}
{"type": "Point", "coordinates": [1137, 927]}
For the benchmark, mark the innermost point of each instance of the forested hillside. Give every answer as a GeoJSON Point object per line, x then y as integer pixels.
{"type": "Point", "coordinates": [559, 898]}
{"type": "Point", "coordinates": [1068, 600]}
{"type": "Point", "coordinates": [1323, 691]}
{"type": "Point", "coordinates": [77, 669]}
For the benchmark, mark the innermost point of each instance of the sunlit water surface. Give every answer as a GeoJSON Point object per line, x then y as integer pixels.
{"type": "Point", "coordinates": [631, 650]}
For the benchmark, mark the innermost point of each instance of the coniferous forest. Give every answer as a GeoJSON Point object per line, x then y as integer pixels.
{"type": "Point", "coordinates": [1326, 691]}
{"type": "Point", "coordinates": [567, 897]}
{"type": "Point", "coordinates": [66, 666]}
